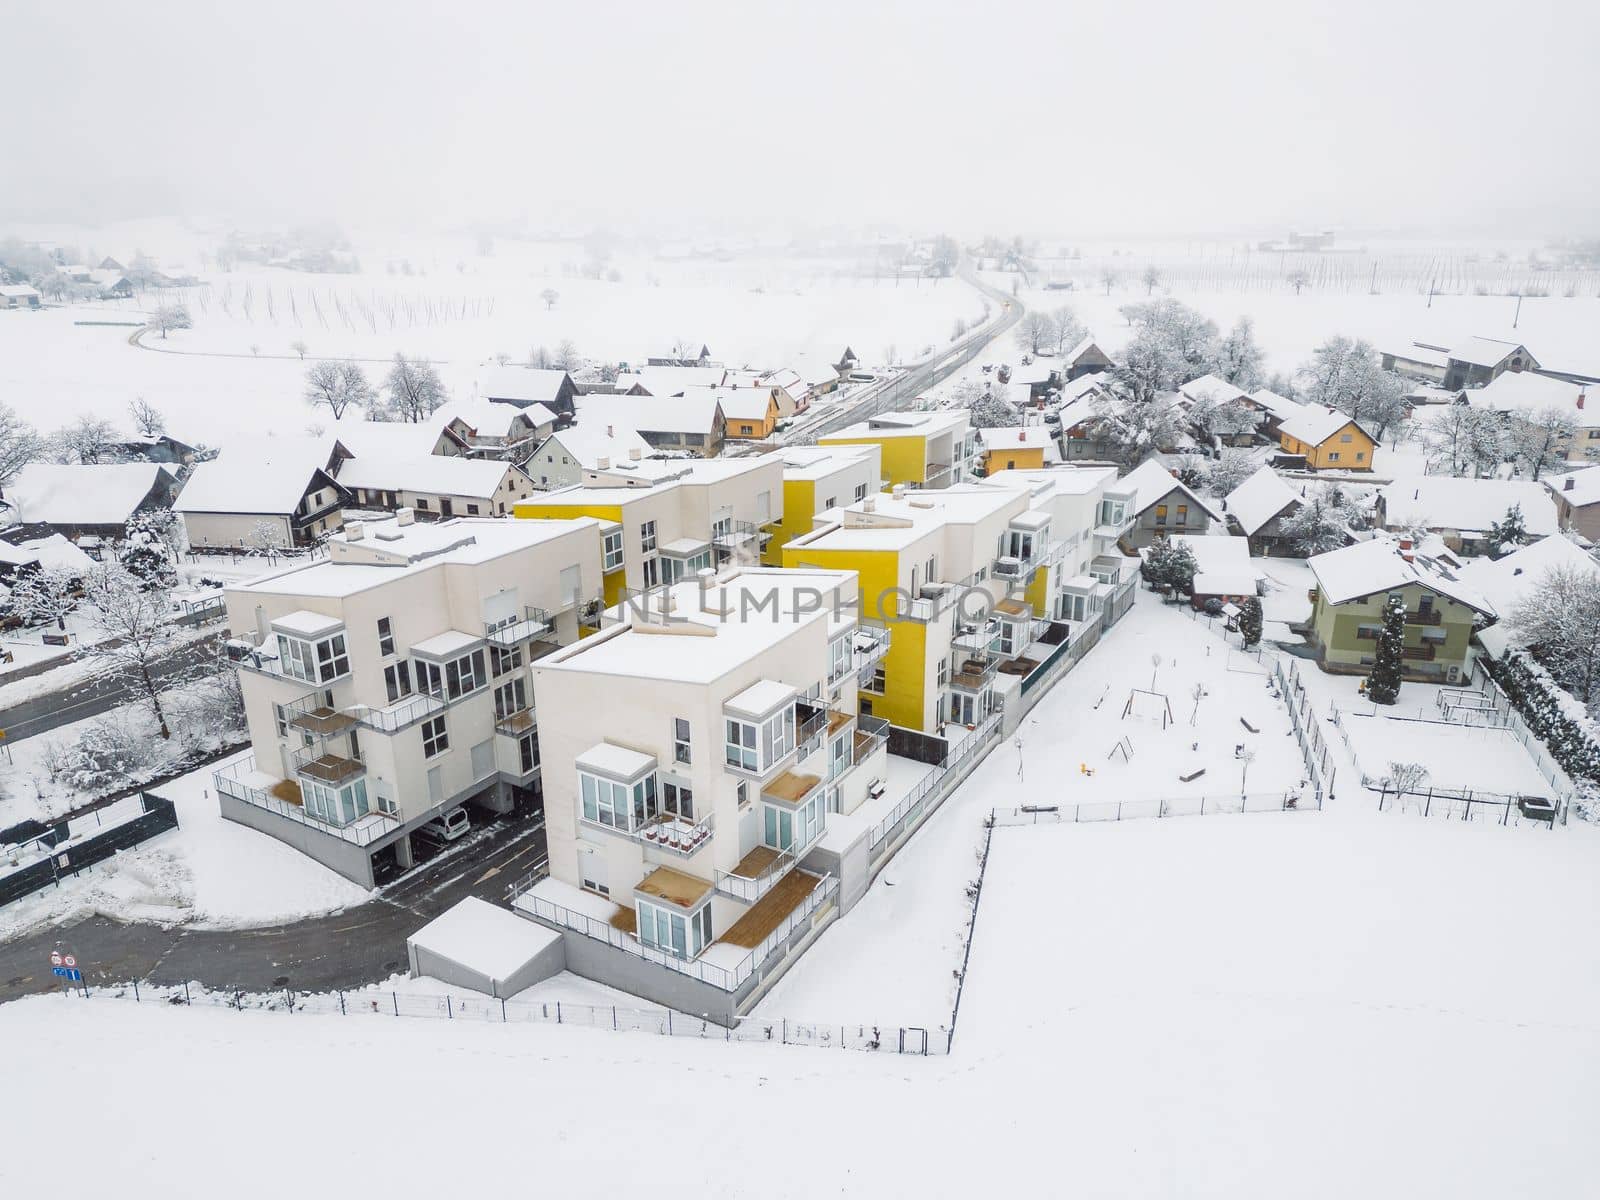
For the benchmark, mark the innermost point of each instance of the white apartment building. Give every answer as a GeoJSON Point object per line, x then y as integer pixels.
{"type": "Point", "coordinates": [979, 581]}
{"type": "Point", "coordinates": [391, 682]}
{"type": "Point", "coordinates": [693, 753]}
{"type": "Point", "coordinates": [665, 519]}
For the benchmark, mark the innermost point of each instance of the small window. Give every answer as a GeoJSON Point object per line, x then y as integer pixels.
{"type": "Point", "coordinates": [385, 637]}
{"type": "Point", "coordinates": [611, 550]}
{"type": "Point", "coordinates": [861, 491]}
{"type": "Point", "coordinates": [744, 795]}
{"type": "Point", "coordinates": [647, 537]}
{"type": "Point", "coordinates": [1346, 438]}
{"type": "Point", "coordinates": [397, 680]}
{"type": "Point", "coordinates": [1161, 514]}
{"type": "Point", "coordinates": [435, 739]}
{"type": "Point", "coordinates": [680, 740]}
{"type": "Point", "coordinates": [422, 504]}
{"type": "Point", "coordinates": [1333, 456]}
{"type": "Point", "coordinates": [472, 510]}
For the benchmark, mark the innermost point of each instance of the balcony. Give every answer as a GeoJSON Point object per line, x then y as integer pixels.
{"type": "Point", "coordinates": [870, 733]}
{"type": "Point", "coordinates": [975, 672]}
{"type": "Point", "coordinates": [675, 835]}
{"type": "Point", "coordinates": [728, 538]}
{"type": "Point", "coordinates": [310, 714]}
{"type": "Point", "coordinates": [1010, 568]}
{"type": "Point", "coordinates": [516, 724]}
{"type": "Point", "coordinates": [534, 622]}
{"type": "Point", "coordinates": [1431, 617]}
{"type": "Point", "coordinates": [323, 766]}
{"type": "Point", "coordinates": [241, 781]}
{"type": "Point", "coordinates": [871, 645]}
{"type": "Point", "coordinates": [809, 724]}
{"type": "Point", "coordinates": [978, 637]}
{"type": "Point", "coordinates": [400, 715]}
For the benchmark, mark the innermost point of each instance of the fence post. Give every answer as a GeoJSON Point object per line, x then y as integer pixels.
{"type": "Point", "coordinates": [395, 997]}
{"type": "Point", "coordinates": [613, 1017]}
{"type": "Point", "coordinates": [342, 1012]}
{"type": "Point", "coordinates": [558, 1012]}
{"type": "Point", "coordinates": [288, 998]}
{"type": "Point", "coordinates": [449, 1009]}
{"type": "Point", "coordinates": [186, 999]}
{"type": "Point", "coordinates": [136, 991]}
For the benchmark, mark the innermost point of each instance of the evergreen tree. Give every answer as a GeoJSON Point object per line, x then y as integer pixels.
{"type": "Point", "coordinates": [1250, 621]}
{"type": "Point", "coordinates": [1383, 685]}
{"type": "Point", "coordinates": [1507, 535]}
{"type": "Point", "coordinates": [1169, 566]}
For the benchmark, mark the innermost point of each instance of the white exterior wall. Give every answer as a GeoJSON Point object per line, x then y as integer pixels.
{"type": "Point", "coordinates": [232, 530]}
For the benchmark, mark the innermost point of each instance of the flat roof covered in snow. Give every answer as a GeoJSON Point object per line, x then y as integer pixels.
{"type": "Point", "coordinates": [485, 938]}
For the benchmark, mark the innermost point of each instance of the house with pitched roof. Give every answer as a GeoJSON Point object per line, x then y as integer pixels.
{"type": "Point", "coordinates": [1257, 508]}
{"type": "Point", "coordinates": [1525, 396]}
{"type": "Point", "coordinates": [1327, 440]}
{"type": "Point", "coordinates": [1353, 586]}
{"type": "Point", "coordinates": [1479, 361]}
{"type": "Point", "coordinates": [1163, 505]}
{"type": "Point", "coordinates": [84, 501]}
{"type": "Point", "coordinates": [1463, 512]}
{"type": "Point", "coordinates": [276, 491]}
{"type": "Point", "coordinates": [1577, 499]}
{"type": "Point", "coordinates": [523, 386]}
{"type": "Point", "coordinates": [1086, 358]}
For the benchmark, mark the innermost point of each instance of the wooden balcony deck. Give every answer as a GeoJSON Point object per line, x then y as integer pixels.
{"type": "Point", "coordinates": [332, 769]}
{"type": "Point", "coordinates": [322, 721]}
{"type": "Point", "coordinates": [838, 720]}
{"type": "Point", "coordinates": [626, 919]}
{"type": "Point", "coordinates": [791, 787]}
{"type": "Point", "coordinates": [757, 861]}
{"type": "Point", "coordinates": [675, 887]}
{"type": "Point", "coordinates": [767, 913]}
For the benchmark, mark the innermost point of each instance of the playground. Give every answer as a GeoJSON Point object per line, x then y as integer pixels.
{"type": "Point", "coordinates": [1172, 712]}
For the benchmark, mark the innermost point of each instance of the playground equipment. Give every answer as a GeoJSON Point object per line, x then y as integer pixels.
{"type": "Point", "coordinates": [1123, 747]}
{"type": "Point", "coordinates": [1153, 706]}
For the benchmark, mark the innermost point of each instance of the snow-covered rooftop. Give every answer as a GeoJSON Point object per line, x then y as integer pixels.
{"type": "Point", "coordinates": [305, 623]}
{"type": "Point", "coordinates": [1218, 555]}
{"type": "Point", "coordinates": [435, 474]}
{"type": "Point", "coordinates": [54, 552]}
{"type": "Point", "coordinates": [900, 424]}
{"type": "Point", "coordinates": [1577, 488]}
{"type": "Point", "coordinates": [1523, 391]}
{"type": "Point", "coordinates": [82, 493]}
{"type": "Point", "coordinates": [1485, 352]}
{"type": "Point", "coordinates": [1313, 425]}
{"type": "Point", "coordinates": [695, 411]}
{"type": "Point", "coordinates": [483, 937]}
{"type": "Point", "coordinates": [488, 419]}
{"type": "Point", "coordinates": [1040, 370]}
{"type": "Point", "coordinates": [1260, 498]}
{"type": "Point", "coordinates": [1150, 481]}
{"type": "Point", "coordinates": [760, 698]}
{"type": "Point", "coordinates": [1416, 352]}
{"type": "Point", "coordinates": [1507, 581]}
{"type": "Point", "coordinates": [1212, 388]}
{"type": "Point", "coordinates": [522, 385]}
{"type": "Point", "coordinates": [1379, 565]}
{"type": "Point", "coordinates": [592, 439]}
{"type": "Point", "coordinates": [1031, 437]}
{"type": "Point", "coordinates": [267, 476]}
{"type": "Point", "coordinates": [1279, 406]}
{"type": "Point", "coordinates": [1470, 505]}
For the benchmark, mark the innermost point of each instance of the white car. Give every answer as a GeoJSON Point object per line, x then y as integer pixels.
{"type": "Point", "coordinates": [449, 826]}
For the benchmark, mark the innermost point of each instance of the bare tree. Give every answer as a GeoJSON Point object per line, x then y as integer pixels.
{"type": "Point", "coordinates": [300, 348]}
{"type": "Point", "coordinates": [1406, 777]}
{"type": "Point", "coordinates": [1068, 329]}
{"type": "Point", "coordinates": [1151, 280]}
{"type": "Point", "coordinates": [137, 622]}
{"type": "Point", "coordinates": [567, 357]}
{"type": "Point", "coordinates": [1559, 622]}
{"type": "Point", "coordinates": [1539, 440]}
{"type": "Point", "coordinates": [1298, 280]}
{"type": "Point", "coordinates": [147, 419]}
{"type": "Point", "coordinates": [1035, 331]}
{"type": "Point", "coordinates": [170, 316]}
{"type": "Point", "coordinates": [1109, 279]}
{"type": "Point", "coordinates": [549, 296]}
{"type": "Point", "coordinates": [86, 440]}
{"type": "Point", "coordinates": [415, 390]}
{"type": "Point", "coordinates": [19, 444]}
{"type": "Point", "coordinates": [45, 596]}
{"type": "Point", "coordinates": [335, 386]}
{"type": "Point", "coordinates": [539, 356]}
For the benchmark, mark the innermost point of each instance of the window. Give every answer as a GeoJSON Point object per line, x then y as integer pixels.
{"type": "Point", "coordinates": [672, 932]}
{"type": "Point", "coordinates": [422, 504]}
{"type": "Point", "coordinates": [839, 756]}
{"type": "Point", "coordinates": [1361, 455]}
{"type": "Point", "coordinates": [1018, 543]}
{"type": "Point", "coordinates": [647, 537]}
{"type": "Point", "coordinates": [397, 680]}
{"type": "Point", "coordinates": [839, 658]}
{"type": "Point", "coordinates": [435, 739]}
{"type": "Point", "coordinates": [743, 795]}
{"type": "Point", "coordinates": [280, 720]}
{"type": "Point", "coordinates": [741, 745]}
{"type": "Point", "coordinates": [652, 572]}
{"type": "Point", "coordinates": [763, 507]}
{"type": "Point", "coordinates": [528, 747]}
{"type": "Point", "coordinates": [617, 805]}
{"type": "Point", "coordinates": [509, 698]}
{"type": "Point", "coordinates": [1425, 605]}
{"type": "Point", "coordinates": [337, 806]}
{"type": "Point", "coordinates": [677, 798]}
{"type": "Point", "coordinates": [1333, 456]}
{"type": "Point", "coordinates": [385, 637]}
{"type": "Point", "coordinates": [314, 662]}
{"type": "Point", "coordinates": [830, 502]}
{"type": "Point", "coordinates": [1161, 514]}
{"type": "Point", "coordinates": [501, 661]}
{"type": "Point", "coordinates": [1183, 514]}
{"type": "Point", "coordinates": [680, 740]}
{"type": "Point", "coordinates": [861, 492]}
{"type": "Point", "coordinates": [1346, 438]}
{"type": "Point", "coordinates": [721, 528]}
{"type": "Point", "coordinates": [611, 550]}
{"type": "Point", "coordinates": [944, 671]}
{"type": "Point", "coordinates": [472, 510]}
{"type": "Point", "coordinates": [456, 678]}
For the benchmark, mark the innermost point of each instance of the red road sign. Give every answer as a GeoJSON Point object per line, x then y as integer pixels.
{"type": "Point", "coordinates": [55, 958]}
{"type": "Point", "coordinates": [69, 961]}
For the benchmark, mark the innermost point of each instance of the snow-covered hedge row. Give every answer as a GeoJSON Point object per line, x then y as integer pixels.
{"type": "Point", "coordinates": [1558, 719]}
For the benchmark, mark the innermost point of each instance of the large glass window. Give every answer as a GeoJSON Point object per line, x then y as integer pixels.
{"type": "Point", "coordinates": [741, 745]}
{"type": "Point", "coordinates": [314, 662]}
{"type": "Point", "coordinates": [839, 658]}
{"type": "Point", "coordinates": [510, 697]}
{"type": "Point", "coordinates": [501, 661]}
{"type": "Point", "coordinates": [777, 828]}
{"type": "Point", "coordinates": [397, 680]}
{"type": "Point", "coordinates": [672, 932]}
{"type": "Point", "coordinates": [528, 746]}
{"type": "Point", "coordinates": [337, 806]}
{"type": "Point", "coordinates": [385, 636]}
{"type": "Point", "coordinates": [611, 550]}
{"type": "Point", "coordinates": [617, 805]}
{"type": "Point", "coordinates": [435, 738]}
{"type": "Point", "coordinates": [647, 537]}
{"type": "Point", "coordinates": [454, 679]}
{"type": "Point", "coordinates": [677, 798]}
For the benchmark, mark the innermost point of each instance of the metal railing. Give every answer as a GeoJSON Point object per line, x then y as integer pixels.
{"type": "Point", "coordinates": [675, 834]}
{"type": "Point", "coordinates": [515, 724]}
{"type": "Point", "coordinates": [534, 622]}
{"type": "Point", "coordinates": [363, 831]}
{"type": "Point", "coordinates": [399, 715]}
{"type": "Point", "coordinates": [973, 672]}
{"type": "Point", "coordinates": [869, 656]}
{"type": "Point", "coordinates": [318, 763]}
{"type": "Point", "coordinates": [915, 805]}
{"type": "Point", "coordinates": [727, 979]}
{"type": "Point", "coordinates": [1154, 808]}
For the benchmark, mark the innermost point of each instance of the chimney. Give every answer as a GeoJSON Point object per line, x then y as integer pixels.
{"type": "Point", "coordinates": [1566, 484]}
{"type": "Point", "coordinates": [869, 504]}
{"type": "Point", "coordinates": [404, 516]}
{"type": "Point", "coordinates": [603, 463]}
{"type": "Point", "coordinates": [1406, 551]}
{"type": "Point", "coordinates": [635, 454]}
{"type": "Point", "coordinates": [1580, 399]}
{"type": "Point", "coordinates": [611, 431]}
{"type": "Point", "coordinates": [354, 531]}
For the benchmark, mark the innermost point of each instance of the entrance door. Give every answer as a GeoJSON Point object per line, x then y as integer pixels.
{"type": "Point", "coordinates": [446, 509]}
{"type": "Point", "coordinates": [963, 708]}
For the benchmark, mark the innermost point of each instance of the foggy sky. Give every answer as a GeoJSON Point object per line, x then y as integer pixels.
{"type": "Point", "coordinates": [1053, 118]}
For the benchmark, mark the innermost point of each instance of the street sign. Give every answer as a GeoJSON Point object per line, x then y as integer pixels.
{"type": "Point", "coordinates": [55, 958]}
{"type": "Point", "coordinates": [68, 961]}
{"type": "Point", "coordinates": [67, 973]}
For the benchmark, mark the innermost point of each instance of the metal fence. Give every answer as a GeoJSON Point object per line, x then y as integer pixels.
{"type": "Point", "coordinates": [1320, 767]}
{"type": "Point", "coordinates": [662, 1022]}
{"type": "Point", "coordinates": [61, 858]}
{"type": "Point", "coordinates": [930, 791]}
{"type": "Point", "coordinates": [1157, 807]}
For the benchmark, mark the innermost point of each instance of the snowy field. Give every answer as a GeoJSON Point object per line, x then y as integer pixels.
{"type": "Point", "coordinates": [1456, 756]}
{"type": "Point", "coordinates": [238, 371]}
{"type": "Point", "coordinates": [891, 961]}
{"type": "Point", "coordinates": [208, 873]}
{"type": "Point", "coordinates": [1259, 1006]}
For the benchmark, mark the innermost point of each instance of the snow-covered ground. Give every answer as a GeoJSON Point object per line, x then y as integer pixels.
{"type": "Point", "coordinates": [1455, 756]}
{"type": "Point", "coordinates": [892, 959]}
{"type": "Point", "coordinates": [762, 309]}
{"type": "Point", "coordinates": [208, 873]}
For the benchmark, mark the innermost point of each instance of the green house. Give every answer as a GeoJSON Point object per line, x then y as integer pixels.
{"type": "Point", "coordinates": [1354, 584]}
